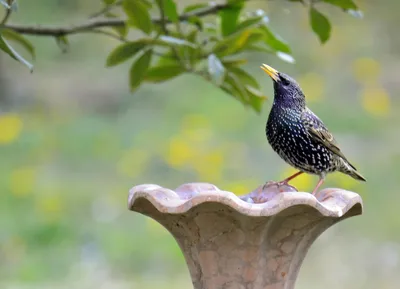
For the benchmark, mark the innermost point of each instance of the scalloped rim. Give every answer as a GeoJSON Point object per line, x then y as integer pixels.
{"type": "Point", "coordinates": [168, 201]}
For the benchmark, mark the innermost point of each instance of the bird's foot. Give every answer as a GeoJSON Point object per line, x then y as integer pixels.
{"type": "Point", "coordinates": [272, 183]}
{"type": "Point", "coordinates": [281, 186]}
{"type": "Point", "coordinates": [267, 192]}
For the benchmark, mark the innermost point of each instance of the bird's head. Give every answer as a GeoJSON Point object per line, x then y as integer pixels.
{"type": "Point", "coordinates": [287, 90]}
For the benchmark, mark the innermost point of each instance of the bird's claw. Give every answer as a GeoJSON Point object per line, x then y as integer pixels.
{"type": "Point", "coordinates": [272, 183]}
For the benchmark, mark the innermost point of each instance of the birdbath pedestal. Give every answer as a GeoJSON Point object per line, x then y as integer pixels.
{"type": "Point", "coordinates": [256, 241]}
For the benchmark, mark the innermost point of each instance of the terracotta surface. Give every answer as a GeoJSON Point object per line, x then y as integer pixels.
{"type": "Point", "coordinates": [256, 241]}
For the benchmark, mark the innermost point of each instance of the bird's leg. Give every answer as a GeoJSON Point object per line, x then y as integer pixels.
{"type": "Point", "coordinates": [284, 182]}
{"type": "Point", "coordinates": [320, 182]}
{"type": "Point", "coordinates": [287, 180]}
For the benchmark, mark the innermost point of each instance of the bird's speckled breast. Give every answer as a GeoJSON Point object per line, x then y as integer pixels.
{"type": "Point", "coordinates": [289, 138]}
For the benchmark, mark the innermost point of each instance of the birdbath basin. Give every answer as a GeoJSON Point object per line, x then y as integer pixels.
{"type": "Point", "coordinates": [255, 241]}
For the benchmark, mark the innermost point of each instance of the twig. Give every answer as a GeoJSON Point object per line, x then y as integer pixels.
{"type": "Point", "coordinates": [64, 30]}
{"type": "Point", "coordinates": [166, 32]}
{"type": "Point", "coordinates": [101, 23]}
{"type": "Point", "coordinates": [7, 15]}
{"type": "Point", "coordinates": [107, 33]}
{"type": "Point", "coordinates": [106, 9]}
{"type": "Point", "coordinates": [163, 20]}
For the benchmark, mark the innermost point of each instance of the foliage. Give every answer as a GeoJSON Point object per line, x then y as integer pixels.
{"type": "Point", "coordinates": [176, 43]}
{"type": "Point", "coordinates": [73, 141]}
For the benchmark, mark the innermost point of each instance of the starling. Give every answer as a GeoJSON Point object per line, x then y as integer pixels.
{"type": "Point", "coordinates": [299, 136]}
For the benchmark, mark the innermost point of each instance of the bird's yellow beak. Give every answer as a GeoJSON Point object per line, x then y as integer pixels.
{"type": "Point", "coordinates": [273, 73]}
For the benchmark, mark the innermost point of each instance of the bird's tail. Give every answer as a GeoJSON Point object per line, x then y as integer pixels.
{"type": "Point", "coordinates": [356, 175]}
{"type": "Point", "coordinates": [351, 171]}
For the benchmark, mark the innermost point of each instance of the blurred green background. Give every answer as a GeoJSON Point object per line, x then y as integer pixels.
{"type": "Point", "coordinates": [73, 140]}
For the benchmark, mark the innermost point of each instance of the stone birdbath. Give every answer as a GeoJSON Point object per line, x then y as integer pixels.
{"type": "Point", "coordinates": [255, 241]}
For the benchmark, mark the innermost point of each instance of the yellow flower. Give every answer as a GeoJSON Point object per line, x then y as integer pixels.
{"type": "Point", "coordinates": [50, 207]}
{"type": "Point", "coordinates": [345, 182]}
{"type": "Point", "coordinates": [22, 181]}
{"type": "Point", "coordinates": [180, 152]}
{"type": "Point", "coordinates": [376, 101]}
{"type": "Point", "coordinates": [313, 86]}
{"type": "Point", "coordinates": [366, 69]}
{"type": "Point", "coordinates": [209, 166]}
{"type": "Point", "coordinates": [10, 128]}
{"type": "Point", "coordinates": [195, 121]}
{"type": "Point", "coordinates": [199, 135]}
{"type": "Point", "coordinates": [241, 187]}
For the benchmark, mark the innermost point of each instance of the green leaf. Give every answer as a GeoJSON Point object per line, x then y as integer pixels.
{"type": "Point", "coordinates": [215, 69]}
{"type": "Point", "coordinates": [139, 69]}
{"type": "Point", "coordinates": [243, 76]}
{"type": "Point", "coordinates": [170, 10]}
{"type": "Point", "coordinates": [260, 48]}
{"type": "Point", "coordinates": [196, 21]}
{"type": "Point", "coordinates": [237, 43]}
{"type": "Point", "coordinates": [233, 62]}
{"type": "Point", "coordinates": [121, 30]}
{"type": "Point", "coordinates": [229, 18]}
{"type": "Point", "coordinates": [246, 94]}
{"type": "Point", "coordinates": [163, 73]}
{"type": "Point", "coordinates": [109, 14]}
{"type": "Point", "coordinates": [147, 3]}
{"type": "Point", "coordinates": [10, 51]}
{"type": "Point", "coordinates": [138, 15]}
{"type": "Point", "coordinates": [273, 40]}
{"type": "Point", "coordinates": [174, 41]}
{"type": "Point", "coordinates": [210, 27]}
{"type": "Point", "coordinates": [257, 99]}
{"type": "Point", "coordinates": [62, 43]}
{"type": "Point", "coordinates": [167, 58]}
{"type": "Point", "coordinates": [16, 37]}
{"type": "Point", "coordinates": [345, 4]}
{"type": "Point", "coordinates": [5, 4]}
{"type": "Point", "coordinates": [236, 88]}
{"type": "Point", "coordinates": [124, 51]}
{"type": "Point", "coordinates": [320, 25]}
{"type": "Point", "coordinates": [248, 23]}
{"type": "Point", "coordinates": [127, 50]}
{"type": "Point", "coordinates": [193, 7]}
{"type": "Point", "coordinates": [192, 36]}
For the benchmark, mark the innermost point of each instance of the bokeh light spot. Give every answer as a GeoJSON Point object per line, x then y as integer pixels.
{"type": "Point", "coordinates": [10, 128]}
{"type": "Point", "coordinates": [304, 182]}
{"type": "Point", "coordinates": [366, 69]}
{"type": "Point", "coordinates": [180, 152]}
{"type": "Point", "coordinates": [22, 181]}
{"type": "Point", "coordinates": [313, 86]}
{"type": "Point", "coordinates": [50, 207]}
{"type": "Point", "coordinates": [209, 166]}
{"type": "Point", "coordinates": [133, 162]}
{"type": "Point", "coordinates": [376, 101]}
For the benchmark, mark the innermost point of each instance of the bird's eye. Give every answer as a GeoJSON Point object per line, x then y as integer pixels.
{"type": "Point", "coordinates": [284, 81]}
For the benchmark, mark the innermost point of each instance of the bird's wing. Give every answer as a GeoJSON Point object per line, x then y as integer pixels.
{"type": "Point", "coordinates": [319, 132]}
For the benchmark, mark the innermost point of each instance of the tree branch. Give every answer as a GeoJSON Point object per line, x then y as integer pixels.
{"type": "Point", "coordinates": [101, 23]}
{"type": "Point", "coordinates": [8, 13]}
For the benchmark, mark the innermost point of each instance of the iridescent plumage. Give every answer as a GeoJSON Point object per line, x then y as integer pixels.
{"type": "Point", "coordinates": [299, 136]}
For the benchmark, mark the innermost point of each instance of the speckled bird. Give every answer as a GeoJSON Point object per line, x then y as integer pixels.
{"type": "Point", "coordinates": [299, 136]}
